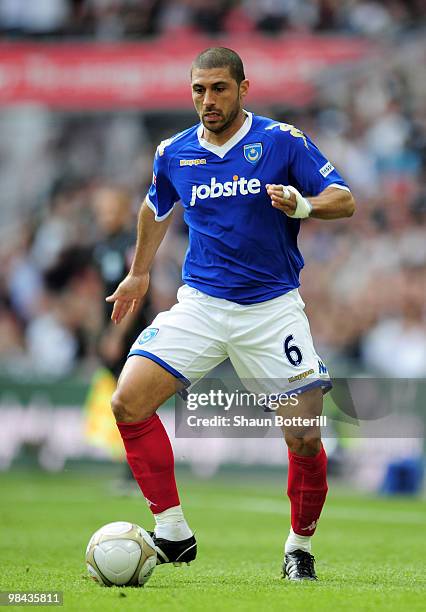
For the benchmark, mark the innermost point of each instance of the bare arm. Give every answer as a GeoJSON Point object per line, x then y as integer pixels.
{"type": "Point", "coordinates": [133, 288]}
{"type": "Point", "coordinates": [332, 203]}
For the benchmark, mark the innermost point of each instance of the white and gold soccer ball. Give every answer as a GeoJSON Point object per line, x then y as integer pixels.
{"type": "Point", "coordinates": [121, 554]}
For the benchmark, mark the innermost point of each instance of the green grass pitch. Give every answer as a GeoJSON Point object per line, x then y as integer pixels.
{"type": "Point", "coordinates": [370, 551]}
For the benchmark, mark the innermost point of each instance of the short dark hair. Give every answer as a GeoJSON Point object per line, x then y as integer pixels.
{"type": "Point", "coordinates": [220, 57]}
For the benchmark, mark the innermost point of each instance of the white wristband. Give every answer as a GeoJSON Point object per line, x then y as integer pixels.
{"type": "Point", "coordinates": [303, 206]}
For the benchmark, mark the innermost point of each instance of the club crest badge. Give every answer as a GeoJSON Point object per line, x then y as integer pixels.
{"type": "Point", "coordinates": [253, 152]}
{"type": "Point", "coordinates": [148, 334]}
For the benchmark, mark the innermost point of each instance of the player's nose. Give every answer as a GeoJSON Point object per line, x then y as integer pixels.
{"type": "Point", "coordinates": [208, 98]}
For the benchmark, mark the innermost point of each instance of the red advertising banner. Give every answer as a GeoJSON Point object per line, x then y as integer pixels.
{"type": "Point", "coordinates": [155, 75]}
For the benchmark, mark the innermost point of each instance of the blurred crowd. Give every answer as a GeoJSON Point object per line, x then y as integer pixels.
{"type": "Point", "coordinates": [365, 279]}
{"type": "Point", "coordinates": [131, 19]}
{"type": "Point", "coordinates": [72, 185]}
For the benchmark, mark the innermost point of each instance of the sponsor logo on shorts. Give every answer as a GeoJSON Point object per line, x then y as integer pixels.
{"type": "Point", "coordinates": [301, 376]}
{"type": "Point", "coordinates": [238, 186]}
{"type": "Point", "coordinates": [326, 169]}
{"type": "Point", "coordinates": [193, 162]}
{"type": "Point", "coordinates": [148, 334]}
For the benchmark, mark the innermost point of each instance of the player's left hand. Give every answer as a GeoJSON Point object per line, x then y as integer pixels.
{"type": "Point", "coordinates": [289, 201]}
{"type": "Point", "coordinates": [282, 198]}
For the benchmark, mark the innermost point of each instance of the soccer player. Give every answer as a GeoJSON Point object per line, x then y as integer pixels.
{"type": "Point", "coordinates": [244, 182]}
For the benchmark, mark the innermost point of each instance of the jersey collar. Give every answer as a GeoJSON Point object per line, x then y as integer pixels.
{"type": "Point", "coordinates": [222, 150]}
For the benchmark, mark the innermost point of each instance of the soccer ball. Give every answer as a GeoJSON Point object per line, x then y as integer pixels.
{"type": "Point", "coordinates": [121, 554]}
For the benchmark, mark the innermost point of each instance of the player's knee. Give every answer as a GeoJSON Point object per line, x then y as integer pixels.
{"type": "Point", "coordinates": [120, 408]}
{"type": "Point", "coordinates": [127, 411]}
{"type": "Point", "coordinates": [307, 445]}
{"type": "Point", "coordinates": [312, 445]}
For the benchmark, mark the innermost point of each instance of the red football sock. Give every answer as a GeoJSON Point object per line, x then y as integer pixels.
{"type": "Point", "coordinates": [307, 490]}
{"type": "Point", "coordinates": [150, 456]}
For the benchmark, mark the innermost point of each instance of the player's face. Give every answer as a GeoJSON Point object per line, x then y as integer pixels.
{"type": "Point", "coordinates": [217, 97]}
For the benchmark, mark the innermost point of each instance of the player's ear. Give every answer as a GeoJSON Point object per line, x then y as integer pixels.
{"type": "Point", "coordinates": [244, 87]}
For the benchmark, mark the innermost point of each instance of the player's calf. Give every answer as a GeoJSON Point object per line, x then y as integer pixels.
{"type": "Point", "coordinates": [307, 486]}
{"type": "Point", "coordinates": [143, 386]}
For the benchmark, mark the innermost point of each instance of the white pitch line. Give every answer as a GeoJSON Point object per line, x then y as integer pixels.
{"type": "Point", "coordinates": [344, 513]}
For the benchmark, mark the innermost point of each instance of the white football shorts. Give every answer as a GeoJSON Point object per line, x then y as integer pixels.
{"type": "Point", "coordinates": [268, 343]}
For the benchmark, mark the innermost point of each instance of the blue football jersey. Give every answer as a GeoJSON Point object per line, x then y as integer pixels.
{"type": "Point", "coordinates": [240, 248]}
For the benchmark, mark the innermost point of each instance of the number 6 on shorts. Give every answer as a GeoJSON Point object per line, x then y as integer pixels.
{"type": "Point", "coordinates": [292, 352]}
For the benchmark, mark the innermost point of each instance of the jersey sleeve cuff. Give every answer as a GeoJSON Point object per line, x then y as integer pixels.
{"type": "Point", "coordinates": [338, 186]}
{"type": "Point", "coordinates": [154, 210]}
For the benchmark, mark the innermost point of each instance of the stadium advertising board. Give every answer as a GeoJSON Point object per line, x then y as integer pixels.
{"type": "Point", "coordinates": [154, 75]}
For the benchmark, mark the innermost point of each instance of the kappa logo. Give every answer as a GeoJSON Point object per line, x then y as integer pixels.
{"type": "Point", "coordinates": [310, 527]}
{"type": "Point", "coordinates": [148, 334]}
{"type": "Point", "coordinates": [193, 162]}
{"type": "Point", "coordinates": [253, 152]}
{"type": "Point", "coordinates": [287, 127]}
{"type": "Point", "coordinates": [239, 185]}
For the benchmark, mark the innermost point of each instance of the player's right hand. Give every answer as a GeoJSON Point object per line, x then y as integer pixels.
{"type": "Point", "coordinates": [128, 295]}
